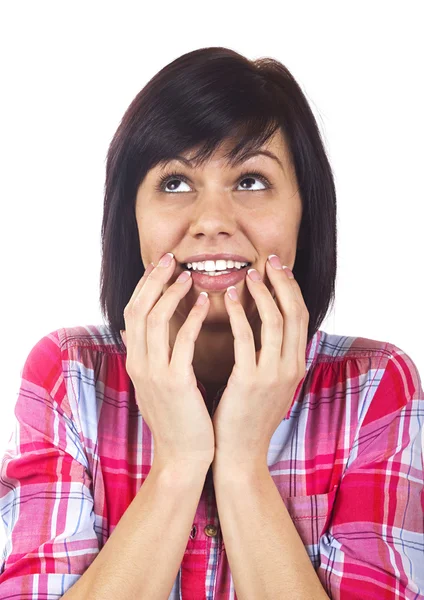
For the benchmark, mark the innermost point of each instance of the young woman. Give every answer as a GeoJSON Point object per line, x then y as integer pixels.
{"type": "Point", "coordinates": [224, 446]}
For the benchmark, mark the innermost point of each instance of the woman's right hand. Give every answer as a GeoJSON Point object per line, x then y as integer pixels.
{"type": "Point", "coordinates": [165, 385]}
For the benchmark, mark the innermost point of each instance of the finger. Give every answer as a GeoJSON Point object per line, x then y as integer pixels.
{"type": "Point", "coordinates": [160, 307]}
{"type": "Point", "coordinates": [157, 323]}
{"type": "Point", "coordinates": [303, 342]}
{"type": "Point", "coordinates": [137, 311]}
{"type": "Point", "coordinates": [244, 342]}
{"type": "Point", "coordinates": [291, 311]}
{"type": "Point", "coordinates": [272, 325]}
{"type": "Point", "coordinates": [128, 307]}
{"type": "Point", "coordinates": [183, 351]}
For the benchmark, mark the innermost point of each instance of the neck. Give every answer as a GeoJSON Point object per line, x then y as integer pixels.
{"type": "Point", "coordinates": [213, 360]}
{"type": "Point", "coordinates": [213, 357]}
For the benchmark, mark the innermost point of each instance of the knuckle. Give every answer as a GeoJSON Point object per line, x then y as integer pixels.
{"type": "Point", "coordinates": [246, 335]}
{"type": "Point", "coordinates": [132, 370]}
{"type": "Point", "coordinates": [155, 318]}
{"type": "Point", "coordinates": [185, 334]}
{"type": "Point", "coordinates": [137, 304]}
{"type": "Point", "coordinates": [253, 385]}
{"type": "Point", "coordinates": [273, 381]}
{"type": "Point", "coordinates": [275, 341]}
{"type": "Point", "coordinates": [296, 310]}
{"type": "Point", "coordinates": [128, 366]}
{"type": "Point", "coordinates": [155, 274]}
{"type": "Point", "coordinates": [240, 380]}
{"type": "Point", "coordinates": [155, 378]}
{"type": "Point", "coordinates": [275, 321]}
{"type": "Point", "coordinates": [180, 378]}
{"type": "Point", "coordinates": [138, 378]}
{"type": "Point", "coordinates": [132, 308]}
{"type": "Point", "coordinates": [292, 373]}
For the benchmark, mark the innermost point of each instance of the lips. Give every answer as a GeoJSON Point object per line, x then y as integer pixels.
{"type": "Point", "coordinates": [218, 282]}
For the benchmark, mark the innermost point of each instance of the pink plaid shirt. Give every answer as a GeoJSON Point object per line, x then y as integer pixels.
{"type": "Point", "coordinates": [347, 461]}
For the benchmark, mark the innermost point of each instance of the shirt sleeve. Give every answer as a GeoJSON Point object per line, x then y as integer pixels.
{"type": "Point", "coordinates": [374, 547]}
{"type": "Point", "coordinates": [46, 501]}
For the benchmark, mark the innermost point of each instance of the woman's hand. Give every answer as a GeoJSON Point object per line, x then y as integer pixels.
{"type": "Point", "coordinates": [166, 387]}
{"type": "Point", "coordinates": [259, 393]}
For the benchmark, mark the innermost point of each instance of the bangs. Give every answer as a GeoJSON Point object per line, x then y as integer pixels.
{"type": "Point", "coordinates": [243, 138]}
{"type": "Point", "coordinates": [214, 107]}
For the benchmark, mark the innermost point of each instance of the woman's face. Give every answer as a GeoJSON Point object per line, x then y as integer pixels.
{"type": "Point", "coordinates": [218, 209]}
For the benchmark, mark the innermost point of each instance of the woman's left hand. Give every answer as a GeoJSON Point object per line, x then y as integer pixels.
{"type": "Point", "coordinates": [259, 394]}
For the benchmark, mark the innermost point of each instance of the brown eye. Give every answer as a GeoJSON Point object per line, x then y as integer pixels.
{"type": "Point", "coordinates": [174, 184]}
{"type": "Point", "coordinates": [165, 180]}
{"type": "Point", "coordinates": [251, 178]}
{"type": "Point", "coordinates": [173, 178]}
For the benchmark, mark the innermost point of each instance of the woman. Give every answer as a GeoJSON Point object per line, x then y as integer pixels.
{"type": "Point", "coordinates": [228, 448]}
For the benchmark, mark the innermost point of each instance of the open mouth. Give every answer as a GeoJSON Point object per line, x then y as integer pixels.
{"type": "Point", "coordinates": [216, 273]}
{"type": "Point", "coordinates": [217, 280]}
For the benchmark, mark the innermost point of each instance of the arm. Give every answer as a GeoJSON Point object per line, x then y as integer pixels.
{"type": "Point", "coordinates": [267, 557]}
{"type": "Point", "coordinates": [142, 557]}
{"type": "Point", "coordinates": [47, 507]}
{"type": "Point", "coordinates": [374, 547]}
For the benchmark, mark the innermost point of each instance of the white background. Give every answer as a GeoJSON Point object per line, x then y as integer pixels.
{"type": "Point", "coordinates": [69, 70]}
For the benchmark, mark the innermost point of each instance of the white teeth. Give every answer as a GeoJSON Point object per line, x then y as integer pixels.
{"type": "Point", "coordinates": [219, 265]}
{"type": "Point", "coordinates": [214, 273]}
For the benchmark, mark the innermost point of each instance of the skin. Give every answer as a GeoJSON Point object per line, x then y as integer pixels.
{"type": "Point", "coordinates": [217, 210]}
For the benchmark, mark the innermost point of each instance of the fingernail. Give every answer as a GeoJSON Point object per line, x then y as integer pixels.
{"type": "Point", "coordinates": [289, 272]}
{"type": "Point", "coordinates": [166, 259]}
{"type": "Point", "coordinates": [274, 261]}
{"type": "Point", "coordinates": [232, 292]}
{"type": "Point", "coordinates": [184, 276]}
{"type": "Point", "coordinates": [254, 275]}
{"type": "Point", "coordinates": [202, 297]}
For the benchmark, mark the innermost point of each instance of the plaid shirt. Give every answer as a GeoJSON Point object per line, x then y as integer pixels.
{"type": "Point", "coordinates": [347, 461]}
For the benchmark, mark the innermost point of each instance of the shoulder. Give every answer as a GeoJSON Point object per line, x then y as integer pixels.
{"type": "Point", "coordinates": [59, 358]}
{"type": "Point", "coordinates": [333, 347]}
{"type": "Point", "coordinates": [369, 354]}
{"type": "Point", "coordinates": [369, 369]}
{"type": "Point", "coordinates": [64, 342]}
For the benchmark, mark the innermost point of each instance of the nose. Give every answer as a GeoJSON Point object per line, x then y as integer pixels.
{"type": "Point", "coordinates": [213, 214]}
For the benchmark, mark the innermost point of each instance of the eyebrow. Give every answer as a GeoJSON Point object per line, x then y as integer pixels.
{"type": "Point", "coordinates": [240, 159]}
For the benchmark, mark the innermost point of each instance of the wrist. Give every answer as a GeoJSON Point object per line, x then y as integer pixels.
{"type": "Point", "coordinates": [225, 469]}
{"type": "Point", "coordinates": [183, 473]}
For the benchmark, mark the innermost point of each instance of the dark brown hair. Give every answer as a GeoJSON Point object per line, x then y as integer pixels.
{"type": "Point", "coordinates": [200, 100]}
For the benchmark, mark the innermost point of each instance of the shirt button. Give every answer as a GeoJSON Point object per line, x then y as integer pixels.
{"type": "Point", "coordinates": [211, 530]}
